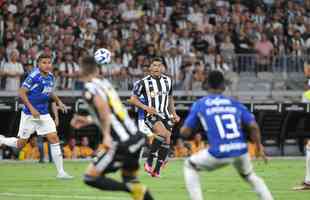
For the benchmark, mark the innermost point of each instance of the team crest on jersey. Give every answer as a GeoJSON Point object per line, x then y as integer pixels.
{"type": "Point", "coordinates": [153, 94]}
{"type": "Point", "coordinates": [87, 95]}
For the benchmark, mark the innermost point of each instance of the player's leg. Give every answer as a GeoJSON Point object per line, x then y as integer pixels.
{"type": "Point", "coordinates": [244, 167]}
{"type": "Point", "coordinates": [306, 183]}
{"type": "Point", "coordinates": [46, 127]}
{"type": "Point", "coordinates": [26, 128]}
{"type": "Point", "coordinates": [163, 147]}
{"type": "Point", "coordinates": [95, 175]}
{"type": "Point", "coordinates": [202, 160]}
{"type": "Point", "coordinates": [40, 142]}
{"type": "Point", "coordinates": [157, 141]}
{"type": "Point", "coordinates": [137, 190]}
{"type": "Point", "coordinates": [307, 178]}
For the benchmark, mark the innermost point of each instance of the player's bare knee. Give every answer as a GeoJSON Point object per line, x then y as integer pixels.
{"type": "Point", "coordinates": [53, 138]}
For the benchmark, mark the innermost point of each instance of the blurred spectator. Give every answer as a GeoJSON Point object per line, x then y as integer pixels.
{"type": "Point", "coordinates": [13, 70]}
{"type": "Point", "coordinates": [30, 151]}
{"type": "Point", "coordinates": [196, 144]}
{"type": "Point", "coordinates": [71, 150]}
{"type": "Point", "coordinates": [180, 150]}
{"type": "Point", "coordinates": [85, 150]}
{"type": "Point", "coordinates": [69, 72]}
{"type": "Point", "coordinates": [171, 29]}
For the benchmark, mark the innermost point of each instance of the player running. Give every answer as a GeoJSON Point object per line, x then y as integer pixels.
{"type": "Point", "coordinates": [35, 93]}
{"type": "Point", "coordinates": [121, 138]}
{"type": "Point", "coordinates": [156, 89]}
{"type": "Point", "coordinates": [223, 120]}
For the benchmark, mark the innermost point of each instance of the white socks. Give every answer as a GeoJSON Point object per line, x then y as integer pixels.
{"type": "Point", "coordinates": [259, 187]}
{"type": "Point", "coordinates": [57, 157]}
{"type": "Point", "coordinates": [307, 178]}
{"type": "Point", "coordinates": [10, 141]}
{"type": "Point", "coordinates": [192, 182]}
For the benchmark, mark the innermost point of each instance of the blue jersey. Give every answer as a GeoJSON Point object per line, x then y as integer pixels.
{"type": "Point", "coordinates": [39, 90]}
{"type": "Point", "coordinates": [222, 119]}
{"type": "Point", "coordinates": [141, 112]}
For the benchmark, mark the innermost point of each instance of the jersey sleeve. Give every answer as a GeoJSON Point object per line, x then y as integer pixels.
{"type": "Point", "coordinates": [171, 88]}
{"type": "Point", "coordinates": [138, 88]}
{"type": "Point", "coordinates": [192, 118]}
{"type": "Point", "coordinates": [29, 82]}
{"type": "Point", "coordinates": [246, 116]}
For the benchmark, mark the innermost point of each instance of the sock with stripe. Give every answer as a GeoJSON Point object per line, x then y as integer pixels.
{"type": "Point", "coordinates": [154, 148]}
{"type": "Point", "coordinates": [57, 157]}
{"type": "Point", "coordinates": [163, 152]}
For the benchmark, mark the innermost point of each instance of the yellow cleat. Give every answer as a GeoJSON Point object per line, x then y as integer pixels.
{"type": "Point", "coordinates": [137, 191]}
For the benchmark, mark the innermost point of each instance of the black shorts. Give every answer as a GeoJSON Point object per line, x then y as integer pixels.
{"type": "Point", "coordinates": [152, 119]}
{"type": "Point", "coordinates": [120, 156]}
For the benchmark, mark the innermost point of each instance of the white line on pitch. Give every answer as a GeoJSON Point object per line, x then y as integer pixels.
{"type": "Point", "coordinates": [62, 196]}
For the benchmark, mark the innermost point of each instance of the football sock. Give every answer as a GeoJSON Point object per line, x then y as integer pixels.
{"type": "Point", "coordinates": [154, 147]}
{"type": "Point", "coordinates": [132, 179]}
{"type": "Point", "coordinates": [259, 187]}
{"type": "Point", "coordinates": [307, 178]}
{"type": "Point", "coordinates": [192, 181]}
{"type": "Point", "coordinates": [10, 141]}
{"type": "Point", "coordinates": [162, 156]}
{"type": "Point", "coordinates": [57, 157]}
{"type": "Point", "coordinates": [105, 183]}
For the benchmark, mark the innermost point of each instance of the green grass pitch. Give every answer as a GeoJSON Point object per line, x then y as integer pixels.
{"type": "Point", "coordinates": [33, 181]}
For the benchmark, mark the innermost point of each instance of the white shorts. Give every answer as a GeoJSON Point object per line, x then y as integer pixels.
{"type": "Point", "coordinates": [203, 160]}
{"type": "Point", "coordinates": [143, 128]}
{"type": "Point", "coordinates": [28, 125]}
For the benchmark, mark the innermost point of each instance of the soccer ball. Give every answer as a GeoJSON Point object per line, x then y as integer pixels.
{"type": "Point", "coordinates": [102, 56]}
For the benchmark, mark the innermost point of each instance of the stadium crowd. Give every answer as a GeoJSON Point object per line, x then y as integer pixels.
{"type": "Point", "coordinates": [192, 36]}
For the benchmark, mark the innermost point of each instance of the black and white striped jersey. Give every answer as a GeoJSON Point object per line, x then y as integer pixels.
{"type": "Point", "coordinates": [123, 127]}
{"type": "Point", "coordinates": [156, 92]}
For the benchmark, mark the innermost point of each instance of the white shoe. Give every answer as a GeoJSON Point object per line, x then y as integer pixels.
{"type": "Point", "coordinates": [64, 175]}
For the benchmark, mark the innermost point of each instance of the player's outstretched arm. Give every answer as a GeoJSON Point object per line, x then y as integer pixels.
{"type": "Point", "coordinates": [79, 121]}
{"type": "Point", "coordinates": [60, 104]}
{"type": "Point", "coordinates": [171, 107]}
{"type": "Point", "coordinates": [105, 120]}
{"type": "Point", "coordinates": [23, 95]}
{"type": "Point", "coordinates": [134, 100]}
{"type": "Point", "coordinates": [255, 137]}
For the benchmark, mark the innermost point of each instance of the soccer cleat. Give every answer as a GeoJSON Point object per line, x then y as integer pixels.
{"type": "Point", "coordinates": [164, 165]}
{"type": "Point", "coordinates": [303, 186]}
{"type": "Point", "coordinates": [148, 168]}
{"type": "Point", "coordinates": [156, 174]}
{"type": "Point", "coordinates": [64, 175]}
{"type": "Point", "coordinates": [137, 190]}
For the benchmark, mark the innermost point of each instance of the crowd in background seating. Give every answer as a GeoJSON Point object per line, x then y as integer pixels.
{"type": "Point", "coordinates": [192, 36]}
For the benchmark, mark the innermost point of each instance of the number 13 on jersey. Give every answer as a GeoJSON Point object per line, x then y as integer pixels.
{"type": "Point", "coordinates": [227, 126]}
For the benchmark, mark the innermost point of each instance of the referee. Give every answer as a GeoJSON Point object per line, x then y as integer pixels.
{"type": "Point", "coordinates": [156, 89]}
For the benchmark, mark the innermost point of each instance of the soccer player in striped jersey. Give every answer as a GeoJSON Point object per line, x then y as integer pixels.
{"type": "Point", "coordinates": [35, 93]}
{"type": "Point", "coordinates": [224, 121]}
{"type": "Point", "coordinates": [156, 90]}
{"type": "Point", "coordinates": [121, 138]}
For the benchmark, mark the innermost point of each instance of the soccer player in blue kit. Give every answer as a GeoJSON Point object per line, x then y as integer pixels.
{"type": "Point", "coordinates": [35, 93]}
{"type": "Point", "coordinates": [225, 122]}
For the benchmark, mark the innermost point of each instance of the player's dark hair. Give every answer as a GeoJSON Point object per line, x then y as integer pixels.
{"type": "Point", "coordinates": [156, 59]}
{"type": "Point", "coordinates": [89, 65]}
{"type": "Point", "coordinates": [215, 80]}
{"type": "Point", "coordinates": [43, 56]}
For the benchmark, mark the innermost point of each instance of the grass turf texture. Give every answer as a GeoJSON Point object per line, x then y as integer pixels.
{"type": "Point", "coordinates": [33, 181]}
